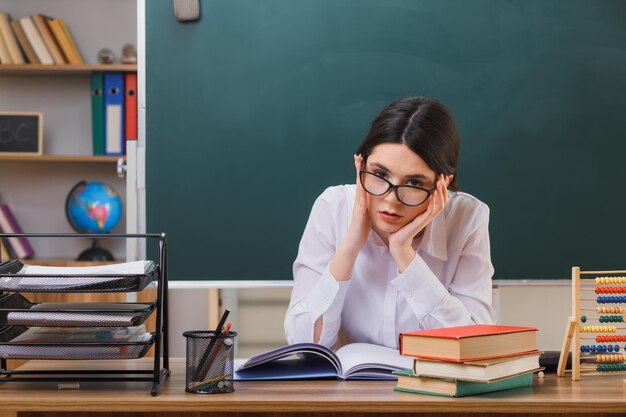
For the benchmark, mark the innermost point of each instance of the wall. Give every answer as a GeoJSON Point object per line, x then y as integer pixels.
{"type": "Point", "coordinates": [261, 311]}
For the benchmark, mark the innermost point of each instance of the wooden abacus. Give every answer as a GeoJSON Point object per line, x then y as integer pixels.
{"type": "Point", "coordinates": [589, 295]}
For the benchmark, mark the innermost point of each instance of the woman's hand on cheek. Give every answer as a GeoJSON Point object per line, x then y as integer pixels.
{"type": "Point", "coordinates": [400, 242]}
{"type": "Point", "coordinates": [343, 262]}
{"type": "Point", "coordinates": [359, 228]}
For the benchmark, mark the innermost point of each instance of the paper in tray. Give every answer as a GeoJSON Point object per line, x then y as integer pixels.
{"type": "Point", "coordinates": [12, 347]}
{"type": "Point", "coordinates": [15, 309]}
{"type": "Point", "coordinates": [14, 276]}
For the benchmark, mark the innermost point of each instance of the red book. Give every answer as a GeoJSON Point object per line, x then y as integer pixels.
{"type": "Point", "coordinates": [130, 106]}
{"type": "Point", "coordinates": [8, 224]}
{"type": "Point", "coordinates": [469, 343]}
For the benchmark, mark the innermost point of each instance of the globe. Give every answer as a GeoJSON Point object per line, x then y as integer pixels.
{"type": "Point", "coordinates": [93, 207]}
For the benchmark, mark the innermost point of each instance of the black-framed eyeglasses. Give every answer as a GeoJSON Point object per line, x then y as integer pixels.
{"type": "Point", "coordinates": [406, 194]}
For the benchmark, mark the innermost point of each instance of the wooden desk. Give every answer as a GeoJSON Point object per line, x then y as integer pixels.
{"type": "Point", "coordinates": [549, 395]}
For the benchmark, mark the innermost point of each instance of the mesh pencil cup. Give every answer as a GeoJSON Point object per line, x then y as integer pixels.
{"type": "Point", "coordinates": [210, 358]}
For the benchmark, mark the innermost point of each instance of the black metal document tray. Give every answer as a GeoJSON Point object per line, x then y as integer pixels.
{"type": "Point", "coordinates": [15, 309]}
{"type": "Point", "coordinates": [10, 280]}
{"type": "Point", "coordinates": [101, 349]}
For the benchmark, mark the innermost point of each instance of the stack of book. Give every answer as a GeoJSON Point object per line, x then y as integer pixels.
{"type": "Point", "coordinates": [37, 39]}
{"type": "Point", "coordinates": [468, 360]}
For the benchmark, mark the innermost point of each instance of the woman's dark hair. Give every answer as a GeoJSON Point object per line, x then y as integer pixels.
{"type": "Point", "coordinates": [425, 126]}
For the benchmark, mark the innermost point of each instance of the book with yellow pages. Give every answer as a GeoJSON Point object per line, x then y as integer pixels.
{"type": "Point", "coordinates": [408, 382]}
{"type": "Point", "coordinates": [484, 370]}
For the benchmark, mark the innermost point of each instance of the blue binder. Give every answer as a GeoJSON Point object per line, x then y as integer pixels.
{"type": "Point", "coordinates": [114, 113]}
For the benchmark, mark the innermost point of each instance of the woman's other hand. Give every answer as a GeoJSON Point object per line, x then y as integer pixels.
{"type": "Point", "coordinates": [358, 231]}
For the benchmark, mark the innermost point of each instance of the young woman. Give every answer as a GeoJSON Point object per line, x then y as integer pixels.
{"type": "Point", "coordinates": [401, 249]}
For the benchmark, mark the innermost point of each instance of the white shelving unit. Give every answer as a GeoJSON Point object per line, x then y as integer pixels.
{"type": "Point", "coordinates": [36, 187]}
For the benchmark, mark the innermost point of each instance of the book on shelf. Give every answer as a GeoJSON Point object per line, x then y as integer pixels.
{"type": "Point", "coordinates": [75, 55]}
{"type": "Point", "coordinates": [409, 382]}
{"type": "Point", "coordinates": [481, 370]}
{"type": "Point", "coordinates": [8, 224]}
{"type": "Point", "coordinates": [36, 41]}
{"type": "Point", "coordinates": [27, 49]}
{"type": "Point", "coordinates": [41, 22]}
{"type": "Point", "coordinates": [313, 361]}
{"type": "Point", "coordinates": [10, 39]}
{"type": "Point", "coordinates": [5, 57]}
{"type": "Point", "coordinates": [465, 343]}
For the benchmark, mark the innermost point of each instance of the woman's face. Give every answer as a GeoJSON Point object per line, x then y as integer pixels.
{"type": "Point", "coordinates": [401, 166]}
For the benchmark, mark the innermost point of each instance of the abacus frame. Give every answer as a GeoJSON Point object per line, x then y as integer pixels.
{"type": "Point", "coordinates": [573, 328]}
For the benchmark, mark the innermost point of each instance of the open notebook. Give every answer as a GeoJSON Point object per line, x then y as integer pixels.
{"type": "Point", "coordinates": [311, 360]}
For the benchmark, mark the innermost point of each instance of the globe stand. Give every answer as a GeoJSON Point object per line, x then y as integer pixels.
{"type": "Point", "coordinates": [95, 253]}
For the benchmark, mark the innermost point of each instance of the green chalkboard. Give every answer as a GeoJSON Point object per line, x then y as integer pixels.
{"type": "Point", "coordinates": [256, 108]}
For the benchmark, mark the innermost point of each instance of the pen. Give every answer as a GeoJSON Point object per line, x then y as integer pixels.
{"type": "Point", "coordinates": [203, 366]}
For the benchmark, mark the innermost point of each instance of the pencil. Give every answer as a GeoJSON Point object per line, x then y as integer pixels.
{"type": "Point", "coordinates": [203, 366]}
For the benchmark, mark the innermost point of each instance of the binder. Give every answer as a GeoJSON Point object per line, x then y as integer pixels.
{"type": "Point", "coordinates": [131, 105]}
{"type": "Point", "coordinates": [114, 113]}
{"type": "Point", "coordinates": [97, 112]}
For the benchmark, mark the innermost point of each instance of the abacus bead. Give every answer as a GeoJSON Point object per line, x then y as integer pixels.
{"type": "Point", "coordinates": [593, 348]}
{"type": "Point", "coordinates": [583, 319]}
{"type": "Point", "coordinates": [610, 348]}
{"type": "Point", "coordinates": [616, 347]}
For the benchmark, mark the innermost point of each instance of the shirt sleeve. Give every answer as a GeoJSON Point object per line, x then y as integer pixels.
{"type": "Point", "coordinates": [315, 291]}
{"type": "Point", "coordinates": [468, 299]}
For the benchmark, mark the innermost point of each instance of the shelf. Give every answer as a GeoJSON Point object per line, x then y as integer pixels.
{"type": "Point", "coordinates": [38, 69]}
{"type": "Point", "coordinates": [61, 158]}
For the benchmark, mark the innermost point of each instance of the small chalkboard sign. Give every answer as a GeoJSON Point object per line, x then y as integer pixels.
{"type": "Point", "coordinates": [21, 133]}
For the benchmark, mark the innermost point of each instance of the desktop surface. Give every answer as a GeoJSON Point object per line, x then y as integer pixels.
{"type": "Point", "coordinates": [548, 395]}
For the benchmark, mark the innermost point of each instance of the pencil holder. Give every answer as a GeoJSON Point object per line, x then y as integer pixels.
{"type": "Point", "coordinates": [210, 358]}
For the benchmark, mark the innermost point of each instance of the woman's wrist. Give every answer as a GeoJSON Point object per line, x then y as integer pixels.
{"type": "Point", "coordinates": [403, 257]}
{"type": "Point", "coordinates": [342, 264]}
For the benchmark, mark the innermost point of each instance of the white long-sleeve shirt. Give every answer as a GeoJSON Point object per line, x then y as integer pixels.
{"type": "Point", "coordinates": [447, 284]}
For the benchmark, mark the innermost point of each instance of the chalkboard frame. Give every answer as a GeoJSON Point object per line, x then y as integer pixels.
{"type": "Point", "coordinates": [36, 143]}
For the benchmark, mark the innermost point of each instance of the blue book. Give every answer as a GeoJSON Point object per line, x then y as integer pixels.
{"type": "Point", "coordinates": [409, 382]}
{"type": "Point", "coordinates": [114, 143]}
{"type": "Point", "coordinates": [314, 361]}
